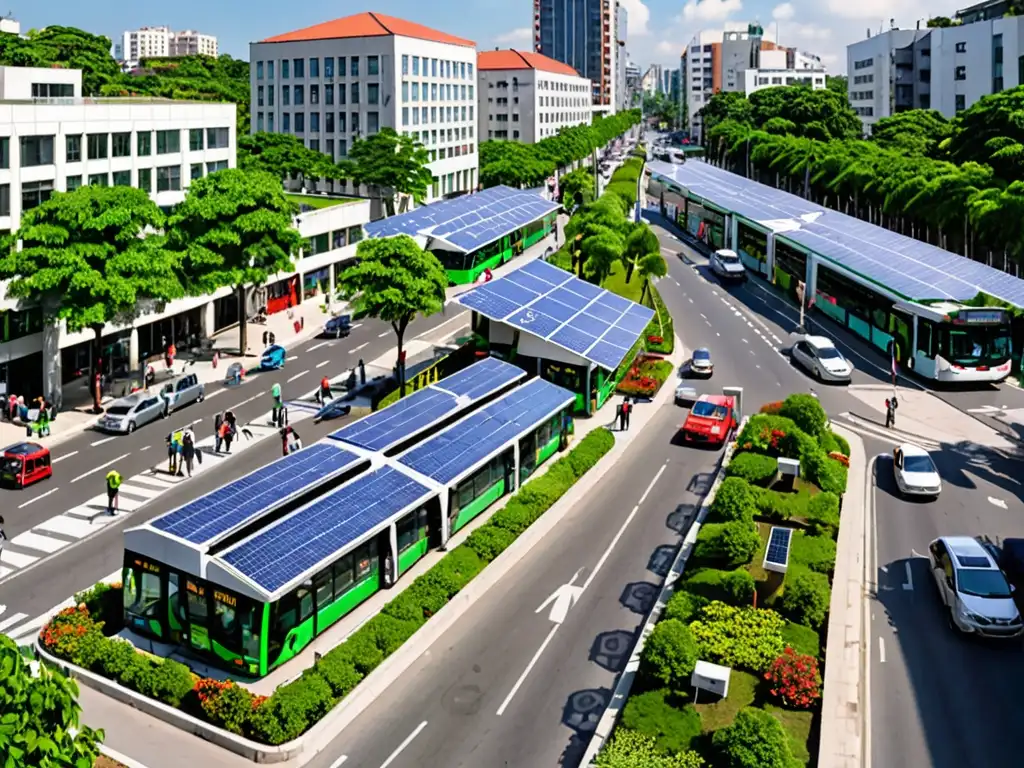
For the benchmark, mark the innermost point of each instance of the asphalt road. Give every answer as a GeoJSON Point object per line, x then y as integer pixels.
{"type": "Point", "coordinates": [81, 462]}
{"type": "Point", "coordinates": [937, 698]}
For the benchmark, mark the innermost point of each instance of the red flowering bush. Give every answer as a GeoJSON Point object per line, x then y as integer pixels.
{"type": "Point", "coordinates": [226, 704]}
{"type": "Point", "coordinates": [841, 458]}
{"type": "Point", "coordinates": [63, 635]}
{"type": "Point", "coordinates": [645, 376]}
{"type": "Point", "coordinates": [795, 679]}
{"type": "Point", "coordinates": [656, 339]}
{"type": "Point", "coordinates": [772, 408]}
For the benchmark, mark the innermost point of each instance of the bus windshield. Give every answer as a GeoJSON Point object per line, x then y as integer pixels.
{"type": "Point", "coordinates": [454, 261]}
{"type": "Point", "coordinates": [971, 346]}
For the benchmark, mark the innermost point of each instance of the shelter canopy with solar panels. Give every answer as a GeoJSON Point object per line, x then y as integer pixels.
{"type": "Point", "coordinates": [473, 233]}
{"type": "Point", "coordinates": [566, 330]}
{"type": "Point", "coordinates": [901, 295]}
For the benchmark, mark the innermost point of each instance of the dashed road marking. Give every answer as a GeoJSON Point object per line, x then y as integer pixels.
{"type": "Point", "coordinates": [997, 502]}
{"type": "Point", "coordinates": [745, 341]}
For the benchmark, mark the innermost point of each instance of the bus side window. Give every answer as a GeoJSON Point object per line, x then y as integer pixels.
{"type": "Point", "coordinates": [924, 337]}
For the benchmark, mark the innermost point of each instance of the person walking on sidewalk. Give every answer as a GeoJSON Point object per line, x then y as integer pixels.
{"type": "Point", "coordinates": [218, 421]}
{"type": "Point", "coordinates": [275, 394]}
{"type": "Point", "coordinates": [627, 409]}
{"type": "Point", "coordinates": [290, 440]}
{"type": "Point", "coordinates": [620, 414]}
{"type": "Point", "coordinates": [172, 453]}
{"type": "Point", "coordinates": [188, 450]}
{"type": "Point", "coordinates": [224, 431]}
{"type": "Point", "coordinates": [325, 391]}
{"type": "Point", "coordinates": [891, 404]}
{"type": "Point", "coordinates": [113, 489]}
{"type": "Point", "coordinates": [3, 536]}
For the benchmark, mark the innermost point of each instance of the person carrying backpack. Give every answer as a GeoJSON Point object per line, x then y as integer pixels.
{"type": "Point", "coordinates": [188, 450]}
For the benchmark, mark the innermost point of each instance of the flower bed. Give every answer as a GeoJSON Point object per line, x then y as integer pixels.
{"type": "Point", "coordinates": [727, 610]}
{"type": "Point", "coordinates": [76, 635]}
{"type": "Point", "coordinates": [661, 326]}
{"type": "Point", "coordinates": [645, 376]}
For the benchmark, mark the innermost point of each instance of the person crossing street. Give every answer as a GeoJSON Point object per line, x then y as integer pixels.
{"type": "Point", "coordinates": [113, 488]}
{"type": "Point", "coordinates": [325, 394]}
{"type": "Point", "coordinates": [275, 394]}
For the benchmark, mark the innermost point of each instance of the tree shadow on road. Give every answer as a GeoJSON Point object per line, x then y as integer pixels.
{"type": "Point", "coordinates": [581, 714]}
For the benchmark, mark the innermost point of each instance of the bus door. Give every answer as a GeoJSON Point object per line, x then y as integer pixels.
{"type": "Point", "coordinates": [527, 456]}
{"type": "Point", "coordinates": [899, 329]}
{"type": "Point", "coordinates": [197, 615]}
{"type": "Point", "coordinates": [177, 622]}
{"type": "Point", "coordinates": [387, 563]}
{"type": "Point", "coordinates": [412, 533]}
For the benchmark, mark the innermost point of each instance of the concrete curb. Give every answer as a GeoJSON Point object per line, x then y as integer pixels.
{"type": "Point", "coordinates": [124, 760]}
{"type": "Point", "coordinates": [625, 683]}
{"type": "Point", "coordinates": [845, 702]}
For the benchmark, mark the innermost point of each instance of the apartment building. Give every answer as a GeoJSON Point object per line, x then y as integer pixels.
{"type": "Point", "coordinates": [189, 42]}
{"type": "Point", "coordinates": [622, 95]}
{"type": "Point", "coordinates": [774, 70]}
{"type": "Point", "coordinates": [701, 77]}
{"type": "Point", "coordinates": [334, 82]}
{"type": "Point", "coordinates": [528, 97]}
{"type": "Point", "coordinates": [585, 35]}
{"type": "Point", "coordinates": [161, 42]}
{"type": "Point", "coordinates": [652, 81]}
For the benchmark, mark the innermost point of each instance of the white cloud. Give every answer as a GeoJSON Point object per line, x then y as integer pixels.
{"type": "Point", "coordinates": [783, 12]}
{"type": "Point", "coordinates": [883, 10]}
{"type": "Point", "coordinates": [666, 49]}
{"type": "Point", "coordinates": [516, 37]}
{"type": "Point", "coordinates": [711, 10]}
{"type": "Point", "coordinates": [638, 17]}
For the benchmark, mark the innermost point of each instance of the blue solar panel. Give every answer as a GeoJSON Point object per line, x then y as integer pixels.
{"type": "Point", "coordinates": [546, 272]}
{"type": "Point", "coordinates": [633, 324]}
{"type": "Point", "coordinates": [619, 338]}
{"type": "Point", "coordinates": [585, 289]}
{"type": "Point", "coordinates": [591, 326]}
{"type": "Point", "coordinates": [528, 281]}
{"type": "Point", "coordinates": [607, 355]}
{"type": "Point", "coordinates": [233, 505]}
{"type": "Point", "coordinates": [556, 309]}
{"type": "Point", "coordinates": [486, 302]}
{"type": "Point", "coordinates": [573, 340]}
{"type": "Point", "coordinates": [300, 543]}
{"type": "Point", "coordinates": [603, 313]}
{"type": "Point", "coordinates": [569, 298]}
{"type": "Point", "coordinates": [778, 546]}
{"type": "Point", "coordinates": [477, 437]}
{"type": "Point", "coordinates": [535, 322]}
{"type": "Point", "coordinates": [418, 411]}
{"type": "Point", "coordinates": [509, 290]}
{"type": "Point", "coordinates": [614, 302]}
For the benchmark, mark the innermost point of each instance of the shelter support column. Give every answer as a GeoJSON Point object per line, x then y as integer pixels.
{"type": "Point", "coordinates": [392, 577]}
{"type": "Point", "coordinates": [734, 233]}
{"type": "Point", "coordinates": [769, 258]}
{"type": "Point", "coordinates": [514, 484]}
{"type": "Point", "coordinates": [586, 394]}
{"type": "Point", "coordinates": [446, 533]}
{"type": "Point", "coordinates": [133, 350]}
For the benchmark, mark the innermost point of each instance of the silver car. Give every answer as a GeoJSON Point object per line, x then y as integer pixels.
{"type": "Point", "coordinates": [181, 391]}
{"type": "Point", "coordinates": [973, 589]}
{"type": "Point", "coordinates": [125, 415]}
{"type": "Point", "coordinates": [818, 356]}
{"type": "Point", "coordinates": [726, 264]}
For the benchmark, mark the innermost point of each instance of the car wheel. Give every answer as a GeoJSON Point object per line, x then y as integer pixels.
{"type": "Point", "coordinates": [131, 427]}
{"type": "Point", "coordinates": [202, 396]}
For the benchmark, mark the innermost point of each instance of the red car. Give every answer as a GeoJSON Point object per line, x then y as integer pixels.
{"type": "Point", "coordinates": [25, 463]}
{"type": "Point", "coordinates": [712, 419]}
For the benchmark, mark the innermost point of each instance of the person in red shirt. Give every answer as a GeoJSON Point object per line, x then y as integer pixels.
{"type": "Point", "coordinates": [325, 393]}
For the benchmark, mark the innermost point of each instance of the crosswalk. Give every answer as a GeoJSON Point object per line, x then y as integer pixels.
{"type": "Point", "coordinates": [23, 630]}
{"type": "Point", "coordinates": [874, 430]}
{"type": "Point", "coordinates": [64, 530]}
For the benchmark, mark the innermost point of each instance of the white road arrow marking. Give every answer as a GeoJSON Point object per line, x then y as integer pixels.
{"type": "Point", "coordinates": [561, 600]}
{"type": "Point", "coordinates": [908, 586]}
{"type": "Point", "coordinates": [998, 502]}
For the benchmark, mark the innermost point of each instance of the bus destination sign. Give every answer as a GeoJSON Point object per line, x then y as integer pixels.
{"type": "Point", "coordinates": [983, 316]}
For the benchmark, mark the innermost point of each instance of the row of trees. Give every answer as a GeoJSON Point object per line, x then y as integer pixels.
{"type": "Point", "coordinates": [958, 184]}
{"type": "Point", "coordinates": [530, 165]}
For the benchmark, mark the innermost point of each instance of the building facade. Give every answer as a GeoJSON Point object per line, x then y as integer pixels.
{"type": "Point", "coordinates": [774, 71]}
{"type": "Point", "coordinates": [701, 68]}
{"type": "Point", "coordinates": [161, 42]}
{"type": "Point", "coordinates": [583, 34]}
{"type": "Point", "coordinates": [874, 69]}
{"type": "Point", "coordinates": [346, 79]}
{"type": "Point", "coordinates": [525, 96]}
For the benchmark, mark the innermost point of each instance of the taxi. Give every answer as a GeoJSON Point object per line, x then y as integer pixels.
{"type": "Point", "coordinates": [25, 463]}
{"type": "Point", "coordinates": [711, 420]}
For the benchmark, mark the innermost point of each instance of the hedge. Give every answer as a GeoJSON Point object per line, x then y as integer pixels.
{"type": "Point", "coordinates": [780, 436]}
{"type": "Point", "coordinates": [673, 728]}
{"type": "Point", "coordinates": [734, 500]}
{"type": "Point", "coordinates": [729, 544]}
{"type": "Point", "coordinates": [706, 585]}
{"type": "Point", "coordinates": [755, 468]}
{"type": "Point", "coordinates": [801, 639]}
{"type": "Point", "coordinates": [76, 636]}
{"type": "Point", "coordinates": [806, 597]}
{"type": "Point", "coordinates": [661, 325]}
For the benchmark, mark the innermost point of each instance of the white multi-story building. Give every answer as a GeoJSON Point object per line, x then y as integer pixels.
{"type": "Point", "coordinates": [774, 71]}
{"type": "Point", "coordinates": [700, 77]}
{"type": "Point", "coordinates": [189, 42]}
{"type": "Point", "coordinates": [525, 96]}
{"type": "Point", "coordinates": [651, 81]}
{"type": "Point", "coordinates": [161, 42]}
{"type": "Point", "coordinates": [873, 68]}
{"type": "Point", "coordinates": [341, 80]}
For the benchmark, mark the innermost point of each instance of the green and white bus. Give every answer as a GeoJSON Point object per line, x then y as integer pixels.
{"type": "Point", "coordinates": [247, 576]}
{"type": "Point", "coordinates": [467, 267]}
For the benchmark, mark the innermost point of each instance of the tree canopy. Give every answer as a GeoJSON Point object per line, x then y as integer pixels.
{"type": "Point", "coordinates": [64, 47]}
{"type": "Point", "coordinates": [393, 163]}
{"type": "Point", "coordinates": [285, 156]}
{"type": "Point", "coordinates": [395, 280]}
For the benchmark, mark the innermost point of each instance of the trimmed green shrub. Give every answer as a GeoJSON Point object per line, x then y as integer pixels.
{"type": "Point", "coordinates": [827, 442]}
{"type": "Point", "coordinates": [805, 598]}
{"type": "Point", "coordinates": [755, 468]}
{"type": "Point", "coordinates": [779, 507]}
{"type": "Point", "coordinates": [801, 639]}
{"type": "Point", "coordinates": [842, 442]}
{"type": "Point", "coordinates": [225, 704]}
{"type": "Point", "coordinates": [745, 638]}
{"type": "Point", "coordinates": [629, 749]}
{"type": "Point", "coordinates": [105, 603]}
{"type": "Point", "coordinates": [339, 674]}
{"type": "Point", "coordinates": [733, 501]}
{"type": "Point", "coordinates": [513, 517]}
{"type": "Point", "coordinates": [120, 655]}
{"type": "Point", "coordinates": [361, 651]}
{"type": "Point", "coordinates": [684, 606]}
{"type": "Point", "coordinates": [739, 586]}
{"type": "Point", "coordinates": [168, 681]}
{"type": "Point", "coordinates": [389, 633]}
{"type": "Point", "coordinates": [754, 739]}
{"type": "Point", "coordinates": [490, 541]}
{"type": "Point", "coordinates": [731, 543]}
{"type": "Point", "coordinates": [823, 514]}
{"type": "Point", "coordinates": [828, 474]}
{"type": "Point", "coordinates": [806, 412]}
{"type": "Point", "coordinates": [670, 654]}
{"type": "Point", "coordinates": [818, 553]}
{"type": "Point", "coordinates": [292, 709]}
{"type": "Point", "coordinates": [651, 713]}
{"type": "Point", "coordinates": [707, 584]}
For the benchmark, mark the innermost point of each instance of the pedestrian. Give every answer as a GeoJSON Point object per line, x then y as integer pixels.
{"type": "Point", "coordinates": [3, 536]}
{"type": "Point", "coordinates": [891, 404]}
{"type": "Point", "coordinates": [271, 338]}
{"type": "Point", "coordinates": [188, 450]}
{"type": "Point", "coordinates": [113, 488]}
{"type": "Point", "coordinates": [266, 336]}
{"type": "Point", "coordinates": [275, 394]}
{"type": "Point", "coordinates": [224, 436]}
{"type": "Point", "coordinates": [218, 421]}
{"type": "Point", "coordinates": [325, 391]}
{"type": "Point", "coordinates": [362, 371]}
{"type": "Point", "coordinates": [169, 357]}
{"type": "Point", "coordinates": [627, 409]}
{"type": "Point", "coordinates": [620, 414]}
{"type": "Point", "coordinates": [350, 382]}
{"type": "Point", "coordinates": [172, 453]}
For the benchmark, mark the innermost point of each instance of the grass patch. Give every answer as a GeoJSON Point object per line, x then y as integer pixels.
{"type": "Point", "coordinates": [616, 283]}
{"type": "Point", "coordinates": [742, 693]}
{"type": "Point", "coordinates": [798, 728]}
{"type": "Point", "coordinates": [802, 639]}
{"type": "Point", "coordinates": [318, 201]}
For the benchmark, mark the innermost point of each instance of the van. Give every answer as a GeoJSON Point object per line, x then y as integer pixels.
{"type": "Point", "coordinates": [25, 463]}
{"type": "Point", "coordinates": [181, 391]}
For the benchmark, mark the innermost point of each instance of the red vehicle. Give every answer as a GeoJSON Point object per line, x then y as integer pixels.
{"type": "Point", "coordinates": [711, 420]}
{"type": "Point", "coordinates": [25, 463]}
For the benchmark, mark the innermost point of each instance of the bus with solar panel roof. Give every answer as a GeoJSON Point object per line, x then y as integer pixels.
{"type": "Point", "coordinates": [249, 575]}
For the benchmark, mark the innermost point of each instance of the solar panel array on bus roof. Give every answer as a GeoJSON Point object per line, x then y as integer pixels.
{"type": "Point", "coordinates": [471, 221]}
{"type": "Point", "coordinates": [419, 410]}
{"type": "Point", "coordinates": [550, 303]}
{"type": "Point", "coordinates": [912, 268]}
{"type": "Point", "coordinates": [469, 442]}
{"type": "Point", "coordinates": [301, 542]}
{"type": "Point", "coordinates": [219, 512]}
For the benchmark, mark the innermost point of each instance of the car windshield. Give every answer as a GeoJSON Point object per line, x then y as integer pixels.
{"type": "Point", "coordinates": [709, 411]}
{"type": "Point", "coordinates": [728, 258]}
{"type": "Point", "coordinates": [918, 464]}
{"type": "Point", "coordinates": [118, 410]}
{"type": "Point", "coordinates": [701, 356]}
{"type": "Point", "coordinates": [829, 353]}
{"type": "Point", "coordinates": [983, 583]}
{"type": "Point", "coordinates": [12, 465]}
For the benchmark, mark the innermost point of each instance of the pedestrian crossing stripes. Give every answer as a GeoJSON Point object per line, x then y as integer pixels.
{"type": "Point", "coordinates": [24, 630]}
{"type": "Point", "coordinates": [51, 536]}
{"type": "Point", "coordinates": [876, 431]}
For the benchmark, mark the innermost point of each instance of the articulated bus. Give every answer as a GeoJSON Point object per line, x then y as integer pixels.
{"type": "Point", "coordinates": [247, 585]}
{"type": "Point", "coordinates": [464, 268]}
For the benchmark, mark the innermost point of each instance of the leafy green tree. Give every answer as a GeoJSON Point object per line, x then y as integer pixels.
{"type": "Point", "coordinates": [514, 165]}
{"type": "Point", "coordinates": [576, 188]}
{"type": "Point", "coordinates": [631, 749]}
{"type": "Point", "coordinates": [395, 280]}
{"type": "Point", "coordinates": [90, 257]}
{"type": "Point", "coordinates": [391, 164]}
{"type": "Point", "coordinates": [640, 242]}
{"type": "Point", "coordinates": [63, 47]}
{"type": "Point", "coordinates": [670, 654]}
{"type": "Point", "coordinates": [597, 231]}
{"type": "Point", "coordinates": [234, 228]}
{"type": "Point", "coordinates": [39, 716]}
{"type": "Point", "coordinates": [839, 84]}
{"type": "Point", "coordinates": [916, 132]}
{"type": "Point", "coordinates": [286, 156]}
{"type": "Point", "coordinates": [650, 266]}
{"type": "Point", "coordinates": [755, 739]}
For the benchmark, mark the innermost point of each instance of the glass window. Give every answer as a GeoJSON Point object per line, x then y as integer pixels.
{"type": "Point", "coordinates": [342, 122]}
{"type": "Point", "coordinates": [354, 68]}
{"type": "Point", "coordinates": [259, 70]}
{"type": "Point", "coordinates": [99, 180]}
{"type": "Point", "coordinates": [168, 178]}
{"type": "Point", "coordinates": [270, 70]}
{"type": "Point", "coordinates": [329, 120]}
{"type": "Point", "coordinates": [195, 139]}
{"type": "Point", "coordinates": [372, 93]}
{"type": "Point", "coordinates": [355, 234]}
{"type": "Point", "coordinates": [338, 239]}
{"type": "Point", "coordinates": [122, 178]}
{"type": "Point", "coordinates": [217, 138]}
{"type": "Point", "coordinates": [270, 96]}
{"type": "Point", "coordinates": [300, 122]}
{"type": "Point", "coordinates": [71, 184]}
{"type": "Point", "coordinates": [314, 123]}
{"type": "Point", "coordinates": [73, 146]}
{"type": "Point", "coordinates": [433, 67]}
{"type": "Point", "coordinates": [314, 68]}
{"type": "Point", "coordinates": [405, 64]}
{"type": "Point", "coordinates": [168, 142]}
{"type": "Point", "coordinates": [146, 180]}
{"type": "Point", "coordinates": [354, 93]}
{"type": "Point", "coordinates": [372, 123]}
{"type": "Point", "coordinates": [198, 608]}
{"type": "Point", "coordinates": [286, 96]}
{"type": "Point", "coordinates": [121, 144]}
{"type": "Point", "coordinates": [405, 115]}
{"type": "Point", "coordinates": [364, 557]}
{"type": "Point", "coordinates": [142, 592]}
{"type": "Point", "coordinates": [341, 66]}
{"type": "Point", "coordinates": [329, 95]}
{"type": "Point", "coordinates": [323, 588]}
{"type": "Point", "coordinates": [354, 121]}
{"type": "Point", "coordinates": [328, 66]}
{"type": "Point", "coordinates": [408, 532]}
{"type": "Point", "coordinates": [344, 575]}
{"type": "Point", "coordinates": [925, 330]}
{"type": "Point", "coordinates": [372, 65]}
{"type": "Point", "coordinates": [299, 100]}
{"type": "Point", "coordinates": [285, 69]}
{"type": "Point", "coordinates": [143, 143]}
{"type": "Point", "coordinates": [36, 150]}
{"type": "Point", "coordinates": [196, 171]}
{"type": "Point", "coordinates": [415, 65]}
{"type": "Point", "coordinates": [286, 122]}
{"type": "Point", "coordinates": [298, 67]}
{"type": "Point", "coordinates": [314, 94]}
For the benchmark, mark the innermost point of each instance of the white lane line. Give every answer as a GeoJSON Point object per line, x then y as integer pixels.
{"type": "Point", "coordinates": [318, 346]}
{"type": "Point", "coordinates": [296, 376]}
{"type": "Point", "coordinates": [71, 527]}
{"type": "Point", "coordinates": [101, 442]}
{"type": "Point", "coordinates": [526, 672]}
{"type": "Point", "coordinates": [12, 619]}
{"type": "Point", "coordinates": [94, 470]}
{"type": "Point", "coordinates": [64, 456]}
{"type": "Point", "coordinates": [408, 740]}
{"type": "Point", "coordinates": [364, 344]}
{"type": "Point", "coordinates": [908, 586]}
{"type": "Point", "coordinates": [745, 341]}
{"type": "Point", "coordinates": [214, 394]}
{"type": "Point", "coordinates": [248, 400]}
{"type": "Point", "coordinates": [16, 559]}
{"type": "Point", "coordinates": [145, 448]}
{"type": "Point", "coordinates": [677, 283]}
{"type": "Point", "coordinates": [325, 362]}
{"type": "Point", "coordinates": [382, 335]}
{"type": "Point", "coordinates": [718, 334]}
{"type": "Point", "coordinates": [356, 325]}
{"type": "Point", "coordinates": [881, 649]}
{"type": "Point", "coordinates": [293, 357]}
{"type": "Point", "coordinates": [37, 498]}
{"type": "Point", "coordinates": [703, 316]}
{"type": "Point", "coordinates": [39, 543]}
{"type": "Point", "coordinates": [339, 762]}
{"type": "Point", "coordinates": [691, 300]}
{"type": "Point", "coordinates": [998, 502]}
{"type": "Point", "coordinates": [707, 323]}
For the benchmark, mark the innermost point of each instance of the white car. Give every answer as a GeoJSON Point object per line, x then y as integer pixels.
{"type": "Point", "coordinates": [915, 472]}
{"type": "Point", "coordinates": [727, 265]}
{"type": "Point", "coordinates": [818, 356]}
{"type": "Point", "coordinates": [973, 589]}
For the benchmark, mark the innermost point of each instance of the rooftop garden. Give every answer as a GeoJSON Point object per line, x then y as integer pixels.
{"type": "Point", "coordinates": [318, 201]}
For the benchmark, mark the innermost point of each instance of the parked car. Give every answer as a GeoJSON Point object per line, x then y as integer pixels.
{"type": "Point", "coordinates": [273, 358]}
{"type": "Point", "coordinates": [181, 391]}
{"type": "Point", "coordinates": [819, 357]}
{"type": "Point", "coordinates": [127, 414]}
{"type": "Point", "coordinates": [338, 326]}
{"type": "Point", "coordinates": [915, 472]}
{"type": "Point", "coordinates": [726, 265]}
{"type": "Point", "coordinates": [973, 589]}
{"type": "Point", "coordinates": [711, 420]}
{"type": "Point", "coordinates": [25, 464]}
{"type": "Point", "coordinates": [699, 364]}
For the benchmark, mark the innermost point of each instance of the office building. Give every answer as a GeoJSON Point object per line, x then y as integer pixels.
{"type": "Point", "coordinates": [774, 70]}
{"type": "Point", "coordinates": [161, 42]}
{"type": "Point", "coordinates": [528, 97]}
{"type": "Point", "coordinates": [332, 83]}
{"type": "Point", "coordinates": [621, 57]}
{"type": "Point", "coordinates": [584, 34]}
{"type": "Point", "coordinates": [651, 82]}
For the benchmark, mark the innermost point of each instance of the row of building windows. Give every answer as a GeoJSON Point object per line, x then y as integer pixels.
{"type": "Point", "coordinates": [53, 91]}
{"type": "Point", "coordinates": [298, 125]}
{"type": "Point", "coordinates": [414, 91]}
{"type": "Point", "coordinates": [863, 63]}
{"type": "Point", "coordinates": [862, 95]}
{"type": "Point", "coordinates": [39, 150]}
{"type": "Point", "coordinates": [450, 70]}
{"type": "Point", "coordinates": [864, 111]}
{"type": "Point", "coordinates": [862, 79]}
{"type": "Point", "coordinates": [563, 101]}
{"type": "Point", "coordinates": [296, 68]}
{"type": "Point", "coordinates": [430, 115]}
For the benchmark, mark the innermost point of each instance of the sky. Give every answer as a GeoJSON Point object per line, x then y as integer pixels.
{"type": "Point", "coordinates": [658, 29]}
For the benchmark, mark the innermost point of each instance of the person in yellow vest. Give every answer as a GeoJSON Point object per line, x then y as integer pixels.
{"type": "Point", "coordinates": [113, 485]}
